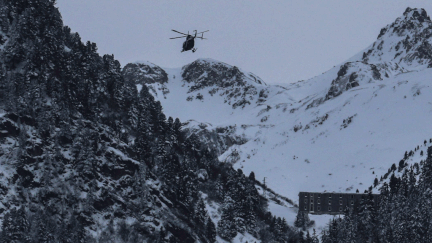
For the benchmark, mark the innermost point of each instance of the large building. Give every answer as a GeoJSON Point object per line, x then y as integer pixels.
{"type": "Point", "coordinates": [330, 202]}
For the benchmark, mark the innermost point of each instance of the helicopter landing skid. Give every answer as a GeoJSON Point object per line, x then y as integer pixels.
{"type": "Point", "coordinates": [194, 50]}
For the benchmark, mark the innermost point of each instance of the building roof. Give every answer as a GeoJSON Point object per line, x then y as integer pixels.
{"type": "Point", "coordinates": [346, 193]}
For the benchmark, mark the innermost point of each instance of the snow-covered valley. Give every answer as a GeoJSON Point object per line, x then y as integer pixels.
{"type": "Point", "coordinates": [335, 132]}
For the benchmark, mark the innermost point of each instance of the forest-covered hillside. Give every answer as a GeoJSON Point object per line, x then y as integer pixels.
{"type": "Point", "coordinates": [85, 157]}
{"type": "Point", "coordinates": [403, 212]}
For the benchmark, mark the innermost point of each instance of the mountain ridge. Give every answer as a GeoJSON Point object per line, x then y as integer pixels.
{"type": "Point", "coordinates": [406, 42]}
{"type": "Point", "coordinates": [331, 126]}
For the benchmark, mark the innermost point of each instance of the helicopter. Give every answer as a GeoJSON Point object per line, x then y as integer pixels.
{"type": "Point", "coordinates": [190, 40]}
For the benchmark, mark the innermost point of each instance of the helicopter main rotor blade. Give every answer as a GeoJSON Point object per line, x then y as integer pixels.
{"type": "Point", "coordinates": [202, 38]}
{"type": "Point", "coordinates": [203, 32]}
{"type": "Point", "coordinates": [178, 37]}
{"type": "Point", "coordinates": [179, 32]}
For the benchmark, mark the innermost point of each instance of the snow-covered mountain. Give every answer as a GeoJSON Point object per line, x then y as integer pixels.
{"type": "Point", "coordinates": [406, 42]}
{"type": "Point", "coordinates": [335, 132]}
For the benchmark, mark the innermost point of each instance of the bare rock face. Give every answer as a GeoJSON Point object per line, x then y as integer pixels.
{"type": "Point", "coordinates": [349, 76]}
{"type": "Point", "coordinates": [207, 72]}
{"type": "Point", "coordinates": [407, 41]}
{"type": "Point", "coordinates": [238, 87]}
{"type": "Point", "coordinates": [353, 74]}
{"type": "Point", "coordinates": [144, 73]}
{"type": "Point", "coordinates": [215, 138]}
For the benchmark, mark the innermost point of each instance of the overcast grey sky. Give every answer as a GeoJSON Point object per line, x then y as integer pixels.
{"type": "Point", "coordinates": [280, 41]}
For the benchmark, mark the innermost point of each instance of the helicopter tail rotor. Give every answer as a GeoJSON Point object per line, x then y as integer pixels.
{"type": "Point", "coordinates": [202, 35]}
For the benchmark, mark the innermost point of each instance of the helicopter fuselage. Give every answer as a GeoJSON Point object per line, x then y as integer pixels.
{"type": "Point", "coordinates": [189, 43]}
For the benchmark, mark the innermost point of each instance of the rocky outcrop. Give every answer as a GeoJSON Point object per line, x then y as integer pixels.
{"type": "Point", "coordinates": [238, 88]}
{"type": "Point", "coordinates": [144, 73]}
{"type": "Point", "coordinates": [402, 46]}
{"type": "Point", "coordinates": [216, 139]}
{"type": "Point", "coordinates": [406, 41]}
{"type": "Point", "coordinates": [350, 75]}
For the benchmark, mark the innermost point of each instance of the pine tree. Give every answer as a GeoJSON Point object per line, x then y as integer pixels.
{"type": "Point", "coordinates": [44, 234]}
{"type": "Point", "coordinates": [308, 237]}
{"type": "Point", "coordinates": [367, 218]}
{"type": "Point", "coordinates": [15, 226]}
{"type": "Point", "coordinates": [394, 182]}
{"type": "Point", "coordinates": [108, 233]}
{"type": "Point", "coordinates": [302, 220]}
{"type": "Point", "coordinates": [314, 237]}
{"type": "Point", "coordinates": [252, 176]}
{"type": "Point", "coordinates": [123, 231]}
{"type": "Point", "coordinates": [401, 165]}
{"type": "Point", "coordinates": [134, 235]}
{"type": "Point", "coordinates": [226, 226]}
{"type": "Point", "coordinates": [7, 228]}
{"type": "Point", "coordinates": [210, 230]}
{"type": "Point", "coordinates": [200, 214]}
{"type": "Point", "coordinates": [333, 231]}
{"type": "Point", "coordinates": [302, 237]}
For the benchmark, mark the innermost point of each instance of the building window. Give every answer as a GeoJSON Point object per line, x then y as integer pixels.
{"type": "Point", "coordinates": [305, 200]}
{"type": "Point", "coordinates": [340, 196]}
{"type": "Point", "coordinates": [311, 207]}
{"type": "Point", "coordinates": [329, 209]}
{"type": "Point", "coordinates": [305, 207]}
{"type": "Point", "coordinates": [318, 208]}
{"type": "Point", "coordinates": [329, 202]}
{"type": "Point", "coordinates": [352, 202]}
{"type": "Point", "coordinates": [340, 202]}
{"type": "Point", "coordinates": [305, 195]}
{"type": "Point", "coordinates": [311, 200]}
{"type": "Point", "coordinates": [352, 196]}
{"type": "Point", "coordinates": [340, 209]}
{"type": "Point", "coordinates": [319, 201]}
{"type": "Point", "coordinates": [330, 196]}
{"type": "Point", "coordinates": [319, 195]}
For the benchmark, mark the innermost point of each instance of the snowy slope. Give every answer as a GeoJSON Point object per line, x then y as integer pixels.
{"type": "Point", "coordinates": [335, 132]}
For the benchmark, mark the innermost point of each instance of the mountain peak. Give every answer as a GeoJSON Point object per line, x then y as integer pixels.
{"type": "Point", "coordinates": [209, 61]}
{"type": "Point", "coordinates": [416, 14]}
{"type": "Point", "coordinates": [406, 41]}
{"type": "Point", "coordinates": [144, 72]}
{"type": "Point", "coordinates": [240, 88]}
{"type": "Point", "coordinates": [412, 19]}
{"type": "Point", "coordinates": [207, 68]}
